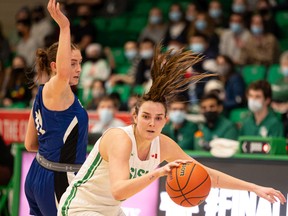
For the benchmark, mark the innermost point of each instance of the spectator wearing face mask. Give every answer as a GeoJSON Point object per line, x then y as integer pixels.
{"type": "Point", "coordinates": [179, 128]}
{"type": "Point", "coordinates": [18, 94]}
{"type": "Point", "coordinates": [96, 67]}
{"type": "Point", "coordinates": [156, 27]}
{"type": "Point", "coordinates": [233, 39]}
{"type": "Point", "coordinates": [262, 121]}
{"type": "Point", "coordinates": [27, 45]}
{"type": "Point", "coordinates": [216, 13]}
{"type": "Point", "coordinates": [216, 125]}
{"type": "Point", "coordinates": [106, 110]}
{"type": "Point", "coordinates": [177, 26]}
{"type": "Point", "coordinates": [146, 52]}
{"type": "Point", "coordinates": [233, 82]}
{"type": "Point", "coordinates": [97, 91]}
{"type": "Point", "coordinates": [191, 12]}
{"type": "Point", "coordinates": [131, 52]}
{"type": "Point", "coordinates": [261, 48]}
{"type": "Point", "coordinates": [280, 92]}
{"type": "Point", "coordinates": [41, 25]}
{"type": "Point", "coordinates": [241, 7]}
{"type": "Point", "coordinates": [204, 25]}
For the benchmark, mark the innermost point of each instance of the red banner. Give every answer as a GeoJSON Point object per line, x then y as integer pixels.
{"type": "Point", "coordinates": [13, 123]}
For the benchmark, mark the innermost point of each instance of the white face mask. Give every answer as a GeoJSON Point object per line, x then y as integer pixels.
{"type": "Point", "coordinates": [105, 115]}
{"type": "Point", "coordinates": [146, 54]}
{"type": "Point", "coordinates": [177, 116]}
{"type": "Point", "coordinates": [254, 105]}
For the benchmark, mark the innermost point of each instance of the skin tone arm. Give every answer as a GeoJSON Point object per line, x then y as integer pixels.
{"type": "Point", "coordinates": [219, 179]}
{"type": "Point", "coordinates": [31, 138]}
{"type": "Point", "coordinates": [58, 86]}
{"type": "Point", "coordinates": [118, 154]}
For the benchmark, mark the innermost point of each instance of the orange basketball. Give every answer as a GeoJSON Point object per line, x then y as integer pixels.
{"type": "Point", "coordinates": [188, 185]}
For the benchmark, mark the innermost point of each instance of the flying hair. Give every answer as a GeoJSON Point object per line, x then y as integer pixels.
{"type": "Point", "coordinates": [168, 74]}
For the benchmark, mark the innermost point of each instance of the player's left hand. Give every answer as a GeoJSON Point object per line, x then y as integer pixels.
{"type": "Point", "coordinates": [270, 194]}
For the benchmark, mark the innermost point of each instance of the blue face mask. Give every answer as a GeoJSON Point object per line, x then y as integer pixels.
{"type": "Point", "coordinates": [130, 54]}
{"type": "Point", "coordinates": [197, 47]}
{"type": "Point", "coordinates": [284, 71]}
{"type": "Point", "coordinates": [177, 116]}
{"type": "Point", "coordinates": [155, 19]}
{"type": "Point", "coordinates": [256, 30]}
{"type": "Point", "coordinates": [215, 13]}
{"type": "Point", "coordinates": [200, 25]}
{"type": "Point", "coordinates": [146, 54]}
{"type": "Point", "coordinates": [175, 16]}
{"type": "Point", "coordinates": [105, 115]}
{"type": "Point", "coordinates": [190, 18]}
{"type": "Point", "coordinates": [235, 27]}
{"type": "Point", "coordinates": [238, 8]}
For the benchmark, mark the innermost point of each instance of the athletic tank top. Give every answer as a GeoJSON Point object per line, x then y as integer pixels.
{"type": "Point", "coordinates": [62, 135]}
{"type": "Point", "coordinates": [90, 189]}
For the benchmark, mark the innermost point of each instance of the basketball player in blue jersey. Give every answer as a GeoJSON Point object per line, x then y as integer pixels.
{"type": "Point", "coordinates": [125, 160]}
{"type": "Point", "coordinates": [58, 124]}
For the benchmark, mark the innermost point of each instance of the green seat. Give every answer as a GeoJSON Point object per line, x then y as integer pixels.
{"type": "Point", "coordinates": [118, 54]}
{"type": "Point", "coordinates": [123, 69]}
{"type": "Point", "coordinates": [142, 8]}
{"type": "Point", "coordinates": [274, 74]}
{"type": "Point", "coordinates": [136, 24]}
{"type": "Point", "coordinates": [123, 90]}
{"type": "Point", "coordinates": [284, 43]}
{"type": "Point", "coordinates": [117, 24]}
{"type": "Point", "coordinates": [164, 6]}
{"type": "Point", "coordinates": [138, 89]}
{"type": "Point", "coordinates": [281, 18]}
{"type": "Point", "coordinates": [253, 73]}
{"type": "Point", "coordinates": [238, 114]}
{"type": "Point", "coordinates": [100, 23]}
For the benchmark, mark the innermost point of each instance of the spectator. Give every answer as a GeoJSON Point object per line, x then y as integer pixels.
{"type": "Point", "coordinates": [18, 93]}
{"type": "Point", "coordinates": [261, 48]}
{"type": "Point", "coordinates": [242, 8]}
{"type": "Point", "coordinates": [233, 82]}
{"type": "Point", "coordinates": [233, 39]}
{"type": "Point", "coordinates": [217, 15]}
{"type": "Point", "coordinates": [215, 125]}
{"type": "Point", "coordinates": [179, 128]}
{"type": "Point", "coordinates": [156, 28]}
{"type": "Point", "coordinates": [106, 110]}
{"type": "Point", "coordinates": [27, 45]}
{"type": "Point", "coordinates": [97, 91]}
{"type": "Point", "coordinates": [84, 32]}
{"type": "Point", "coordinates": [262, 122]}
{"type": "Point", "coordinates": [132, 55]}
{"type": "Point", "coordinates": [191, 12]}
{"type": "Point", "coordinates": [96, 67]}
{"type": "Point", "coordinates": [204, 25]}
{"type": "Point", "coordinates": [41, 25]}
{"type": "Point", "coordinates": [146, 51]}
{"type": "Point", "coordinates": [280, 92]}
{"type": "Point", "coordinates": [177, 27]}
{"type": "Point", "coordinates": [265, 9]}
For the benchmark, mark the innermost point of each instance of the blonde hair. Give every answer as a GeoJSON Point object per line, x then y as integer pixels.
{"type": "Point", "coordinates": [168, 76]}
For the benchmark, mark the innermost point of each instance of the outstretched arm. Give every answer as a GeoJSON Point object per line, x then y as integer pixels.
{"type": "Point", "coordinates": [171, 151]}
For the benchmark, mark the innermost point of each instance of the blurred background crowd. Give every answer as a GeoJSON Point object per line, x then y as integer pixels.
{"type": "Point", "coordinates": [245, 43]}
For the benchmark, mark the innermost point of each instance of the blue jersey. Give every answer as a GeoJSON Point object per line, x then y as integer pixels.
{"type": "Point", "coordinates": [63, 138]}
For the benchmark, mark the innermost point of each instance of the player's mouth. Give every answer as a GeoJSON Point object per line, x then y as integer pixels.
{"type": "Point", "coordinates": [150, 131]}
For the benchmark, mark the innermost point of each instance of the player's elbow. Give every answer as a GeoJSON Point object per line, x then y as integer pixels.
{"type": "Point", "coordinates": [118, 195]}
{"type": "Point", "coordinates": [30, 147]}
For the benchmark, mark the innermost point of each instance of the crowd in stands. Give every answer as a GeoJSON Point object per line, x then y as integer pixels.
{"type": "Point", "coordinates": [241, 42]}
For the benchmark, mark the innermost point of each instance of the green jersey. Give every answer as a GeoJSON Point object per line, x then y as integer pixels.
{"type": "Point", "coordinates": [184, 136]}
{"type": "Point", "coordinates": [270, 126]}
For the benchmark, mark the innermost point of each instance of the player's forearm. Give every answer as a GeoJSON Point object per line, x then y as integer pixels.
{"type": "Point", "coordinates": [222, 180]}
{"type": "Point", "coordinates": [126, 188]}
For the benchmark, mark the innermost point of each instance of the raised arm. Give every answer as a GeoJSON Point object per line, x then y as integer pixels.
{"type": "Point", "coordinates": [63, 58]}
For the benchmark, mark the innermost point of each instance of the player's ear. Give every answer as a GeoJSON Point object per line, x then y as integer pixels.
{"type": "Point", "coordinates": [53, 67]}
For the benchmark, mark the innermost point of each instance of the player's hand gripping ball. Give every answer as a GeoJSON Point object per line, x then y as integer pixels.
{"type": "Point", "coordinates": [188, 185]}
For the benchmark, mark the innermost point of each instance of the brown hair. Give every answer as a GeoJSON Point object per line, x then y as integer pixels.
{"type": "Point", "coordinates": [261, 85]}
{"type": "Point", "coordinates": [44, 57]}
{"type": "Point", "coordinates": [167, 74]}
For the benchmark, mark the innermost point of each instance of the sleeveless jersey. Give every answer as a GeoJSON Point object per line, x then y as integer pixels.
{"type": "Point", "coordinates": [63, 138]}
{"type": "Point", "coordinates": [90, 190]}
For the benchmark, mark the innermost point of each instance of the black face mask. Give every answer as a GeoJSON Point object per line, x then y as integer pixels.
{"type": "Point", "coordinates": [211, 118]}
{"type": "Point", "coordinates": [18, 70]}
{"type": "Point", "coordinates": [20, 34]}
{"type": "Point", "coordinates": [84, 17]}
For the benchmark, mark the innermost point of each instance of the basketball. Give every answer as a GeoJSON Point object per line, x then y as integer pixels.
{"type": "Point", "coordinates": [188, 185]}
